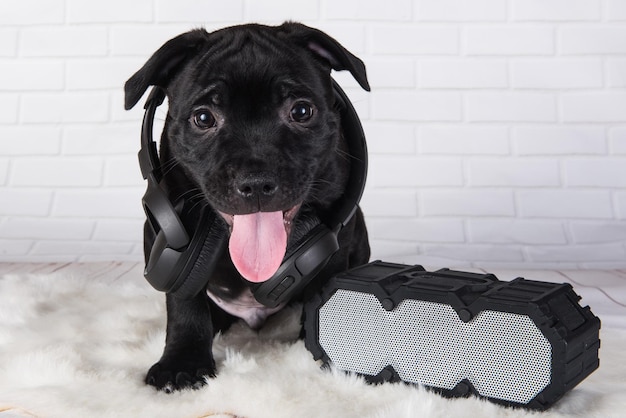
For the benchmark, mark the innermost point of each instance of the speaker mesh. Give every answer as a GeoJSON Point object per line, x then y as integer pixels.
{"type": "Point", "coordinates": [504, 355]}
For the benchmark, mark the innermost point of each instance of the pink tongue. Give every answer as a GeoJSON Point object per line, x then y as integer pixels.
{"type": "Point", "coordinates": [257, 244]}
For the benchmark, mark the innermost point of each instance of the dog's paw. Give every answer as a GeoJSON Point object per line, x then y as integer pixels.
{"type": "Point", "coordinates": [169, 378]}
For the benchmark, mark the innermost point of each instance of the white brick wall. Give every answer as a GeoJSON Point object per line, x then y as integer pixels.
{"type": "Point", "coordinates": [504, 106]}
{"type": "Point", "coordinates": [554, 73]}
{"type": "Point", "coordinates": [496, 128]}
{"type": "Point", "coordinates": [556, 10]}
{"type": "Point", "coordinates": [462, 73]}
{"type": "Point", "coordinates": [509, 40]}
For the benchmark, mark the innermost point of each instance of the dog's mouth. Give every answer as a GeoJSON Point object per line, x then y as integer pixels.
{"type": "Point", "coordinates": [258, 241]}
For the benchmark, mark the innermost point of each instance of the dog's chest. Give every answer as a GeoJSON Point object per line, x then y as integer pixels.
{"type": "Point", "coordinates": [246, 307]}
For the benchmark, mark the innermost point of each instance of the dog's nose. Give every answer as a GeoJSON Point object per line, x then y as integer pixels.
{"type": "Point", "coordinates": [257, 186]}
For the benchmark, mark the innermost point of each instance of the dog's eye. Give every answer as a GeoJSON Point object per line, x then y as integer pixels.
{"type": "Point", "coordinates": [203, 119]}
{"type": "Point", "coordinates": [301, 112]}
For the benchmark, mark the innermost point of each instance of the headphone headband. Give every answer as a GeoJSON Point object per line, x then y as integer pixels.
{"type": "Point", "coordinates": [357, 146]}
{"type": "Point", "coordinates": [148, 155]}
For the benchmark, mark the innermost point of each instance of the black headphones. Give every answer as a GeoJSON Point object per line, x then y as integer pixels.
{"type": "Point", "coordinates": [191, 236]}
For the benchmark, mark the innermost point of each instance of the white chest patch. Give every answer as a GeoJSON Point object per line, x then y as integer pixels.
{"type": "Point", "coordinates": [247, 308]}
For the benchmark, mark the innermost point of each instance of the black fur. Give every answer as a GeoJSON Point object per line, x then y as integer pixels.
{"type": "Point", "coordinates": [252, 155]}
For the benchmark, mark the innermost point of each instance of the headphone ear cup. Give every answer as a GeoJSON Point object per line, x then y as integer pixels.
{"type": "Point", "coordinates": [306, 225]}
{"type": "Point", "coordinates": [207, 245]}
{"type": "Point", "coordinates": [304, 259]}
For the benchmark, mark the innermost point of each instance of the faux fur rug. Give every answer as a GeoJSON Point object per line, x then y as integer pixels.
{"type": "Point", "coordinates": [76, 341]}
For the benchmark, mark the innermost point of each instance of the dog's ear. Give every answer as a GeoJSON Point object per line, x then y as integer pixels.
{"type": "Point", "coordinates": [158, 70]}
{"type": "Point", "coordinates": [329, 49]}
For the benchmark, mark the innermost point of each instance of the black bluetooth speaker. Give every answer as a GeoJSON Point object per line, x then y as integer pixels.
{"type": "Point", "coordinates": [521, 343]}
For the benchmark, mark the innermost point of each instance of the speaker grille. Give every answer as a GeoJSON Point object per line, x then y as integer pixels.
{"type": "Point", "coordinates": [504, 355]}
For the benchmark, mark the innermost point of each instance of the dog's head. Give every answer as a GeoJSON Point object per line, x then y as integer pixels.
{"type": "Point", "coordinates": [252, 125]}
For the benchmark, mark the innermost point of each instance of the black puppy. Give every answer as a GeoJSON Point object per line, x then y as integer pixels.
{"type": "Point", "coordinates": [253, 129]}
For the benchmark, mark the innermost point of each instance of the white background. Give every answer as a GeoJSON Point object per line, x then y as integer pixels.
{"type": "Point", "coordinates": [496, 128]}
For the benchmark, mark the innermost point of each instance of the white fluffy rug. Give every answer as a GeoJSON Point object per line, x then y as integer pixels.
{"type": "Point", "coordinates": [76, 340]}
